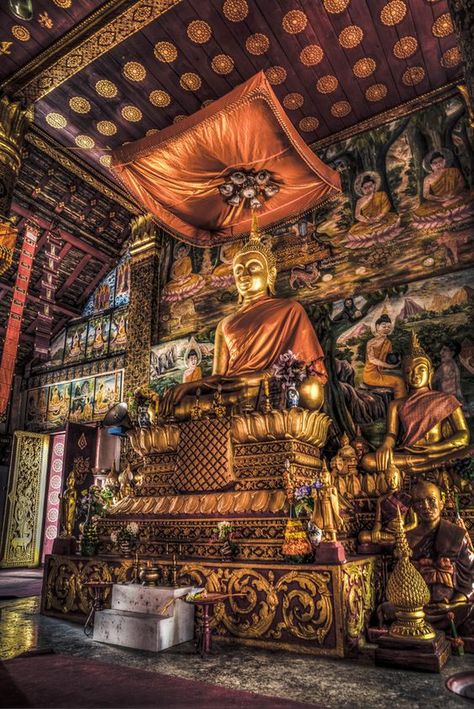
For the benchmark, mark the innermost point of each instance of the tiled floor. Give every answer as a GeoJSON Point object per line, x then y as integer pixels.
{"type": "Point", "coordinates": [332, 683]}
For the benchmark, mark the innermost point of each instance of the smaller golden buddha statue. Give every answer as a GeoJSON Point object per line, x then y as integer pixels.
{"type": "Point", "coordinates": [425, 427]}
{"type": "Point", "coordinates": [249, 342]}
{"type": "Point", "coordinates": [387, 508]}
{"type": "Point", "coordinates": [326, 506]}
{"type": "Point", "coordinates": [125, 480]}
{"type": "Point", "coordinates": [349, 471]}
{"type": "Point", "coordinates": [68, 505]}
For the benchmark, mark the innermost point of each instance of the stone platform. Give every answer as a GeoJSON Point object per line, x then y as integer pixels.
{"type": "Point", "coordinates": [145, 618]}
{"type": "Point", "coordinates": [320, 609]}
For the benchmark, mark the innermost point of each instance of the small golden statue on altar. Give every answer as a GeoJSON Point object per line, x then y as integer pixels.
{"type": "Point", "coordinates": [326, 506]}
{"type": "Point", "coordinates": [68, 506]}
{"type": "Point", "coordinates": [125, 480]}
{"type": "Point", "coordinates": [425, 427]}
{"type": "Point", "coordinates": [250, 341]}
{"type": "Point", "coordinates": [388, 507]}
{"type": "Point", "coordinates": [344, 469]}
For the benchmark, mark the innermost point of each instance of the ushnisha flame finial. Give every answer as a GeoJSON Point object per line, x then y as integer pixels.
{"type": "Point", "coordinates": [415, 351]}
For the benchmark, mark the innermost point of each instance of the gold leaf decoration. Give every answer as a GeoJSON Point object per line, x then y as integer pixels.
{"type": "Point", "coordinates": [79, 104]}
{"type": "Point", "coordinates": [257, 44]}
{"type": "Point", "coordinates": [56, 120]}
{"type": "Point", "coordinates": [335, 6]}
{"type": "Point", "coordinates": [178, 118]}
{"type": "Point", "coordinates": [160, 98]}
{"type": "Point", "coordinates": [294, 21]}
{"type": "Point", "coordinates": [106, 127]}
{"type": "Point", "coordinates": [106, 88]}
{"type": "Point", "coordinates": [152, 131]}
{"type": "Point", "coordinates": [131, 113]}
{"type": "Point", "coordinates": [405, 47]}
{"type": "Point", "coordinates": [293, 101]}
{"type": "Point", "coordinates": [222, 64]}
{"type": "Point", "coordinates": [165, 52]}
{"type": "Point", "coordinates": [85, 141]}
{"type": "Point", "coordinates": [64, 4]}
{"type": "Point", "coordinates": [327, 84]}
{"type": "Point", "coordinates": [451, 57]}
{"type": "Point", "coordinates": [413, 75]}
{"type": "Point", "coordinates": [351, 36]}
{"type": "Point", "coordinates": [443, 26]}
{"type": "Point", "coordinates": [235, 10]}
{"type": "Point", "coordinates": [308, 124]}
{"type": "Point", "coordinates": [276, 75]}
{"type": "Point", "coordinates": [199, 31]}
{"type": "Point", "coordinates": [105, 160]}
{"type": "Point", "coordinates": [364, 67]}
{"type": "Point", "coordinates": [341, 109]}
{"type": "Point", "coordinates": [376, 92]}
{"type": "Point", "coordinates": [393, 12]}
{"type": "Point", "coordinates": [21, 33]}
{"type": "Point", "coordinates": [134, 71]}
{"type": "Point", "coordinates": [190, 81]}
{"type": "Point", "coordinates": [311, 55]}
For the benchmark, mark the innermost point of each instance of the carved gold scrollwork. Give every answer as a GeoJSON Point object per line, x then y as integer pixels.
{"type": "Point", "coordinates": [253, 612]}
{"type": "Point", "coordinates": [93, 570]}
{"type": "Point", "coordinates": [207, 578]}
{"type": "Point", "coordinates": [306, 605]}
{"type": "Point", "coordinates": [62, 584]}
{"type": "Point", "coordinates": [356, 599]}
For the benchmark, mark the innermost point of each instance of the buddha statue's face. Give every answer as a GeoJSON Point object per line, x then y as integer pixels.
{"type": "Point", "coordinates": [418, 374]}
{"type": "Point", "coordinates": [427, 503]}
{"type": "Point", "coordinates": [392, 477]}
{"type": "Point", "coordinates": [251, 274]}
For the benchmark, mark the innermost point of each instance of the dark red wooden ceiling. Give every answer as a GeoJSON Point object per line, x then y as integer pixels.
{"type": "Point", "coordinates": [333, 63]}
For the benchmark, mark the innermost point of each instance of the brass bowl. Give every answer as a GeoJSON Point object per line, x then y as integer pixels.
{"type": "Point", "coordinates": [150, 575]}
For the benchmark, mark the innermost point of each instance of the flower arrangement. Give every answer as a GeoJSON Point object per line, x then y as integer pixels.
{"type": "Point", "coordinates": [289, 370]}
{"type": "Point", "coordinates": [127, 534]}
{"type": "Point", "coordinates": [224, 533]}
{"type": "Point", "coordinates": [142, 397]}
{"type": "Point", "coordinates": [304, 500]}
{"type": "Point", "coordinates": [93, 503]}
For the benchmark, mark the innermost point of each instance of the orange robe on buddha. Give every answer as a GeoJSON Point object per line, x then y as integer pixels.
{"type": "Point", "coordinates": [262, 331]}
{"type": "Point", "coordinates": [385, 228]}
{"type": "Point", "coordinates": [374, 375]}
{"type": "Point", "coordinates": [450, 184]}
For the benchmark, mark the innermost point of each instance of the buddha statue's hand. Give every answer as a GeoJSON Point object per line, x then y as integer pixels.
{"type": "Point", "coordinates": [459, 599]}
{"type": "Point", "coordinates": [384, 455]}
{"type": "Point", "coordinates": [174, 395]}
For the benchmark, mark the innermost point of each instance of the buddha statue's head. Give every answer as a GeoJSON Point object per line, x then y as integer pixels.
{"type": "Point", "coordinates": [393, 477]}
{"type": "Point", "coordinates": [254, 267]}
{"type": "Point", "coordinates": [417, 366]}
{"type": "Point", "coordinates": [427, 503]}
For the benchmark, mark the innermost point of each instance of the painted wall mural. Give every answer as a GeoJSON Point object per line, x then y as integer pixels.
{"type": "Point", "coordinates": [183, 360]}
{"type": "Point", "coordinates": [407, 212]}
{"type": "Point", "coordinates": [112, 291]}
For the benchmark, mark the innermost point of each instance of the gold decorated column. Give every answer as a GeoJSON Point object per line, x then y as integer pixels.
{"type": "Point", "coordinates": [143, 308]}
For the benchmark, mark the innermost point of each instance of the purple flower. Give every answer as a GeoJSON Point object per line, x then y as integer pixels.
{"type": "Point", "coordinates": [303, 491]}
{"type": "Point", "coordinates": [317, 485]}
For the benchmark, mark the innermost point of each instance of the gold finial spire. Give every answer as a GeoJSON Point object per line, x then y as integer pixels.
{"type": "Point", "coordinates": [255, 231]}
{"type": "Point", "coordinates": [407, 592]}
{"type": "Point", "coordinates": [416, 351]}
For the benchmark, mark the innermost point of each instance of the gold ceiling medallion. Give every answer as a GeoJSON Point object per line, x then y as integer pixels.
{"type": "Point", "coordinates": [335, 6]}
{"type": "Point", "coordinates": [56, 120]}
{"type": "Point", "coordinates": [235, 10]}
{"type": "Point", "coordinates": [190, 81]}
{"type": "Point", "coordinates": [222, 64]}
{"type": "Point", "coordinates": [364, 67]}
{"type": "Point", "coordinates": [393, 12]}
{"type": "Point", "coordinates": [308, 124]}
{"type": "Point", "coordinates": [294, 21]}
{"type": "Point", "coordinates": [79, 104]}
{"type": "Point", "coordinates": [85, 141]}
{"type": "Point", "coordinates": [199, 31]}
{"type": "Point", "coordinates": [106, 88]}
{"type": "Point", "coordinates": [21, 33]}
{"type": "Point", "coordinates": [327, 84]}
{"type": "Point", "coordinates": [276, 75]}
{"type": "Point", "coordinates": [413, 75]}
{"type": "Point", "coordinates": [451, 57]}
{"type": "Point", "coordinates": [131, 113]}
{"type": "Point", "coordinates": [160, 98]}
{"type": "Point", "coordinates": [341, 109]}
{"type": "Point", "coordinates": [64, 4]}
{"type": "Point", "coordinates": [257, 44]}
{"type": "Point", "coordinates": [443, 26]}
{"type": "Point", "coordinates": [376, 92]}
{"type": "Point", "coordinates": [134, 71]}
{"type": "Point", "coordinates": [311, 55]}
{"type": "Point", "coordinates": [178, 118]}
{"type": "Point", "coordinates": [152, 131]}
{"type": "Point", "coordinates": [106, 127]}
{"type": "Point", "coordinates": [293, 101]}
{"type": "Point", "coordinates": [105, 160]}
{"type": "Point", "coordinates": [165, 52]}
{"type": "Point", "coordinates": [405, 47]}
{"type": "Point", "coordinates": [351, 36]}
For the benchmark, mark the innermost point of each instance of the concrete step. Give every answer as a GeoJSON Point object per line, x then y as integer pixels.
{"type": "Point", "coordinates": [146, 599]}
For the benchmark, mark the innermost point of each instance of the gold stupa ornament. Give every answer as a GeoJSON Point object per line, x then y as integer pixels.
{"type": "Point", "coordinates": [408, 592]}
{"type": "Point", "coordinates": [415, 351]}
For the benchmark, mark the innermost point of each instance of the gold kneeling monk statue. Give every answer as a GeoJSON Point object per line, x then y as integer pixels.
{"type": "Point", "coordinates": [425, 427]}
{"type": "Point", "coordinates": [248, 342]}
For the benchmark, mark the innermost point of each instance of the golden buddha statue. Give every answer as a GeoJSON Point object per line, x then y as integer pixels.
{"type": "Point", "coordinates": [68, 506]}
{"type": "Point", "coordinates": [425, 427]}
{"type": "Point", "coordinates": [326, 513]}
{"type": "Point", "coordinates": [248, 342]}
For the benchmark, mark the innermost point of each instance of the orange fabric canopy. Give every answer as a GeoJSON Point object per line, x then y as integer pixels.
{"type": "Point", "coordinates": [175, 173]}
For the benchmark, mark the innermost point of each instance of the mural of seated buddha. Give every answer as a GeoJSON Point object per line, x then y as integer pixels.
{"type": "Point", "coordinates": [183, 282]}
{"type": "Point", "coordinates": [424, 428]}
{"type": "Point", "coordinates": [445, 197]}
{"type": "Point", "coordinates": [248, 342]}
{"type": "Point", "coordinates": [376, 222]}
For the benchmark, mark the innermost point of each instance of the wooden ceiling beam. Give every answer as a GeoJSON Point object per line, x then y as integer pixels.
{"type": "Point", "coordinates": [23, 335]}
{"type": "Point", "coordinates": [56, 306]}
{"type": "Point", "coordinates": [74, 275]}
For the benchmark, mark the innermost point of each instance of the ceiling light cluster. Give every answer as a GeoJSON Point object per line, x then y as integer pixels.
{"type": "Point", "coordinates": [248, 186]}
